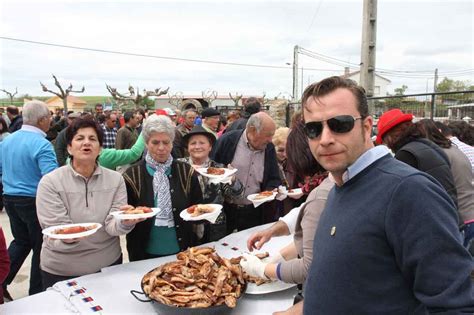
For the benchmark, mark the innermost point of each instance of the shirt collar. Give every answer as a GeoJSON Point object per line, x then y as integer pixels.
{"type": "Point", "coordinates": [97, 171]}
{"type": "Point", "coordinates": [366, 159]}
{"type": "Point", "coordinates": [34, 129]}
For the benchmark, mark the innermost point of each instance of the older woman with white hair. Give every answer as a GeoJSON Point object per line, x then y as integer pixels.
{"type": "Point", "coordinates": [162, 182]}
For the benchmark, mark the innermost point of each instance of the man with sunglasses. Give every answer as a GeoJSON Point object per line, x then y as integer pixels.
{"type": "Point", "coordinates": [387, 241]}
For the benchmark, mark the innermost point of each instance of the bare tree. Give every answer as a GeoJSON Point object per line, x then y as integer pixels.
{"type": "Point", "coordinates": [176, 99]}
{"type": "Point", "coordinates": [63, 94]}
{"type": "Point", "coordinates": [265, 100]}
{"type": "Point", "coordinates": [136, 98]}
{"type": "Point", "coordinates": [236, 98]}
{"type": "Point", "coordinates": [10, 95]}
{"type": "Point", "coordinates": [209, 96]}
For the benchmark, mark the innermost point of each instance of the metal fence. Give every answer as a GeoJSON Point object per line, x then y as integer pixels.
{"type": "Point", "coordinates": [438, 106]}
{"type": "Point", "coordinates": [444, 106]}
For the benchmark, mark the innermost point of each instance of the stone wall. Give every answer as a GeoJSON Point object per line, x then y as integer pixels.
{"type": "Point", "coordinates": [277, 110]}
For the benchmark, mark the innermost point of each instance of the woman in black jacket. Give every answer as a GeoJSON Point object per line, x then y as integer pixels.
{"type": "Point", "coordinates": [162, 182]}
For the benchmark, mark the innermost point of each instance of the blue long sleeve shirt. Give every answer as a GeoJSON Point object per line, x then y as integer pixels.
{"type": "Point", "coordinates": [388, 243]}
{"type": "Point", "coordinates": [26, 156]}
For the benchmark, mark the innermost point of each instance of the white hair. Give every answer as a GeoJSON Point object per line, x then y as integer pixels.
{"type": "Point", "coordinates": [33, 111]}
{"type": "Point", "coordinates": [255, 121]}
{"type": "Point", "coordinates": [160, 124]}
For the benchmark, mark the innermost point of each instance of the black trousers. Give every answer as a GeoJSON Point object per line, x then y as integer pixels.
{"type": "Point", "coordinates": [242, 217]}
{"type": "Point", "coordinates": [50, 279]}
{"type": "Point", "coordinates": [27, 237]}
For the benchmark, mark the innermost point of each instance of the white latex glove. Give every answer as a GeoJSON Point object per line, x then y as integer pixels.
{"type": "Point", "coordinates": [275, 259]}
{"type": "Point", "coordinates": [253, 266]}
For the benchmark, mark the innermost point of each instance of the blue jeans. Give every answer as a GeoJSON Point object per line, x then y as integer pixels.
{"type": "Point", "coordinates": [27, 236]}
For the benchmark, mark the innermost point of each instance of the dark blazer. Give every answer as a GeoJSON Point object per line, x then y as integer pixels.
{"type": "Point", "coordinates": [224, 151]}
{"type": "Point", "coordinates": [15, 124]}
{"type": "Point", "coordinates": [428, 157]}
{"type": "Point", "coordinates": [185, 191]}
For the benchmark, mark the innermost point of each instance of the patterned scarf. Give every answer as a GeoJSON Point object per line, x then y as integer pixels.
{"type": "Point", "coordinates": [161, 190]}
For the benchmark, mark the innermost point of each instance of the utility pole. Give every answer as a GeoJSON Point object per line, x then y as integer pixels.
{"type": "Point", "coordinates": [433, 98]}
{"type": "Point", "coordinates": [295, 73]}
{"type": "Point", "coordinates": [302, 81]}
{"type": "Point", "coordinates": [369, 36]}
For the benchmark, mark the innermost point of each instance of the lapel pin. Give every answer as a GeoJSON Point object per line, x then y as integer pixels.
{"type": "Point", "coordinates": [333, 231]}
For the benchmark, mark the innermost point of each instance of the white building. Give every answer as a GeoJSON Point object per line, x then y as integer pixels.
{"type": "Point", "coordinates": [380, 85]}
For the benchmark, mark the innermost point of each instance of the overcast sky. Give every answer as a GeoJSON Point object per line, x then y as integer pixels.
{"type": "Point", "coordinates": [412, 36]}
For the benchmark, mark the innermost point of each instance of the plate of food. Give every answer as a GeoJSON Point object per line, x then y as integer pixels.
{"type": "Point", "coordinates": [198, 212]}
{"type": "Point", "coordinates": [69, 231]}
{"type": "Point", "coordinates": [294, 192]}
{"type": "Point", "coordinates": [262, 286]}
{"type": "Point", "coordinates": [263, 196]}
{"type": "Point", "coordinates": [216, 172]}
{"type": "Point", "coordinates": [131, 213]}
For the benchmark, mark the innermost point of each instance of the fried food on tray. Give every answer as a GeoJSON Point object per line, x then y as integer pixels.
{"type": "Point", "coordinates": [215, 171]}
{"type": "Point", "coordinates": [137, 210]}
{"type": "Point", "coordinates": [74, 229]}
{"type": "Point", "coordinates": [263, 195]}
{"type": "Point", "coordinates": [199, 278]}
{"type": "Point", "coordinates": [197, 210]}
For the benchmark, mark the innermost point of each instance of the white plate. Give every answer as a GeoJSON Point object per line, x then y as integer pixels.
{"type": "Point", "coordinates": [269, 198]}
{"type": "Point", "coordinates": [270, 287]}
{"type": "Point", "coordinates": [50, 231]}
{"type": "Point", "coordinates": [296, 192]}
{"type": "Point", "coordinates": [187, 216]}
{"type": "Point", "coordinates": [123, 216]}
{"type": "Point", "coordinates": [227, 172]}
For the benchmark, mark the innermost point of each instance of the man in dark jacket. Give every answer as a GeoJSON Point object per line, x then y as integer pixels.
{"type": "Point", "coordinates": [16, 121]}
{"type": "Point", "coordinates": [250, 151]}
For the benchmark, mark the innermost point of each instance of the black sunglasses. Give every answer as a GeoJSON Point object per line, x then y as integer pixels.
{"type": "Point", "coordinates": [338, 124]}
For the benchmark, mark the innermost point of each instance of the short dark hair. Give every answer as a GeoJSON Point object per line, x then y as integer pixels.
{"type": "Point", "coordinates": [108, 114]}
{"type": "Point", "coordinates": [100, 118]}
{"type": "Point", "coordinates": [252, 105]}
{"type": "Point", "coordinates": [13, 110]}
{"type": "Point", "coordinates": [127, 116]}
{"type": "Point", "coordinates": [141, 111]}
{"type": "Point", "coordinates": [330, 84]}
{"type": "Point", "coordinates": [463, 131]}
{"type": "Point", "coordinates": [80, 123]}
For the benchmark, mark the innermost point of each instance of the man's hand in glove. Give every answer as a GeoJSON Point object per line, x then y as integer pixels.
{"type": "Point", "coordinates": [253, 266]}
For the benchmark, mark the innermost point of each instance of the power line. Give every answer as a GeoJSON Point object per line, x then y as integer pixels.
{"type": "Point", "coordinates": [155, 56]}
{"type": "Point", "coordinates": [318, 56]}
{"type": "Point", "coordinates": [343, 63]}
{"type": "Point", "coordinates": [143, 55]}
{"type": "Point", "coordinates": [314, 16]}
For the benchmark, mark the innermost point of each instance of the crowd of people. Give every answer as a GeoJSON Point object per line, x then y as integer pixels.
{"type": "Point", "coordinates": [380, 227]}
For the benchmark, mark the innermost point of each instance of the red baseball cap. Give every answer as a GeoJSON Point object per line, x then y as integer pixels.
{"type": "Point", "coordinates": [390, 119]}
{"type": "Point", "coordinates": [161, 112]}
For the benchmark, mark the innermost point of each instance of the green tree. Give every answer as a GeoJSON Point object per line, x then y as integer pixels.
{"type": "Point", "coordinates": [401, 90]}
{"type": "Point", "coordinates": [449, 85]}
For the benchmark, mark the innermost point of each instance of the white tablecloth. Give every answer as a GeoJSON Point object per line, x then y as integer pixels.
{"type": "Point", "coordinates": [109, 290]}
